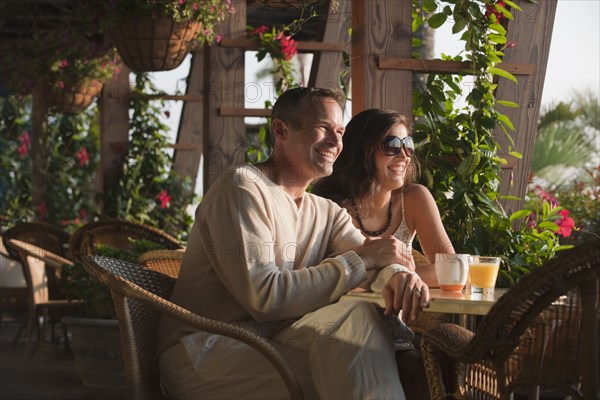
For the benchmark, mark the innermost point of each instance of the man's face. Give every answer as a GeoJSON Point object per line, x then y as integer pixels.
{"type": "Point", "coordinates": [314, 146]}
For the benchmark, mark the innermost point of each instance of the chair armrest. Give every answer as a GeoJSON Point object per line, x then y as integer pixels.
{"type": "Point", "coordinates": [51, 259]}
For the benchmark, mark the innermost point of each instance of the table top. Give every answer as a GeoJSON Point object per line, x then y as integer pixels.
{"type": "Point", "coordinates": [443, 302]}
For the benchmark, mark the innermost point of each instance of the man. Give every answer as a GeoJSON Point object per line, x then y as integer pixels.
{"type": "Point", "coordinates": [267, 255]}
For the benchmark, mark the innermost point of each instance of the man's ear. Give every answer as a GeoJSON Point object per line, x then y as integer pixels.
{"type": "Point", "coordinates": [278, 129]}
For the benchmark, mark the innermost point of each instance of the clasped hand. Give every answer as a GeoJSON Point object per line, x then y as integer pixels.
{"type": "Point", "coordinates": [403, 291]}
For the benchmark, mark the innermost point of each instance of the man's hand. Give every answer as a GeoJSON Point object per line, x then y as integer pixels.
{"type": "Point", "coordinates": [377, 253]}
{"type": "Point", "coordinates": [406, 292]}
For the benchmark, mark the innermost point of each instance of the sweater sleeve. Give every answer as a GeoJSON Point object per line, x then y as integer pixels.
{"type": "Point", "coordinates": [242, 246]}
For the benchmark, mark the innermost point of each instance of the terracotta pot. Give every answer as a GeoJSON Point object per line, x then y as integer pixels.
{"type": "Point", "coordinates": [73, 98]}
{"type": "Point", "coordinates": [154, 44]}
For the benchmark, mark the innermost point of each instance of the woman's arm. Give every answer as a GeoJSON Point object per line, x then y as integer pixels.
{"type": "Point", "coordinates": [422, 214]}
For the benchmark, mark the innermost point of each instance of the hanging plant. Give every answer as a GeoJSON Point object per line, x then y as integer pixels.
{"type": "Point", "coordinates": [157, 35]}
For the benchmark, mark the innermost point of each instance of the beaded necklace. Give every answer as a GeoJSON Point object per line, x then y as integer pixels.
{"type": "Point", "coordinates": [373, 233]}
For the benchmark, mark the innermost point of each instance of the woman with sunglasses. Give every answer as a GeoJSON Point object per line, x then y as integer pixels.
{"type": "Point", "coordinates": [373, 178]}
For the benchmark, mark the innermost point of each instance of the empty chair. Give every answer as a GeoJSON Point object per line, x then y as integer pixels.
{"type": "Point", "coordinates": [542, 334]}
{"type": "Point", "coordinates": [39, 247]}
{"type": "Point", "coordinates": [118, 234]}
{"type": "Point", "coordinates": [141, 296]}
{"type": "Point", "coordinates": [167, 262]}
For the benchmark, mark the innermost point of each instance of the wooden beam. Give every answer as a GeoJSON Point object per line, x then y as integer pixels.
{"type": "Point", "coordinates": [446, 66]}
{"type": "Point", "coordinates": [244, 112]}
{"type": "Point", "coordinates": [302, 46]}
{"type": "Point", "coordinates": [225, 136]}
{"type": "Point", "coordinates": [191, 124]}
{"type": "Point", "coordinates": [114, 128]}
{"type": "Point", "coordinates": [164, 96]}
{"type": "Point", "coordinates": [532, 30]}
{"type": "Point", "coordinates": [381, 29]}
{"type": "Point", "coordinates": [327, 66]}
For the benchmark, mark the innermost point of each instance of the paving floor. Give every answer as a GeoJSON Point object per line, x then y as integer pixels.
{"type": "Point", "coordinates": [50, 374]}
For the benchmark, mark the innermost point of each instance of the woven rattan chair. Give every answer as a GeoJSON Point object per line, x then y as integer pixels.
{"type": "Point", "coordinates": [140, 296]}
{"type": "Point", "coordinates": [167, 262]}
{"type": "Point", "coordinates": [543, 333]}
{"type": "Point", "coordinates": [116, 233]}
{"type": "Point", "coordinates": [36, 261]}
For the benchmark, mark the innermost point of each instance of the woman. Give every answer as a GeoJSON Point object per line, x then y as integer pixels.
{"type": "Point", "coordinates": [373, 178]}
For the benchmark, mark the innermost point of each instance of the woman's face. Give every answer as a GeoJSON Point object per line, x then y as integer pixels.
{"type": "Point", "coordinates": [392, 170]}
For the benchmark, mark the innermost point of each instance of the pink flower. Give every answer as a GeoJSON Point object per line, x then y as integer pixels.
{"type": "Point", "coordinates": [531, 220]}
{"type": "Point", "coordinates": [195, 6]}
{"type": "Point", "coordinates": [181, 2]}
{"type": "Point", "coordinates": [63, 64]}
{"type": "Point", "coordinates": [164, 198]}
{"type": "Point", "coordinates": [25, 144]}
{"type": "Point", "coordinates": [510, 44]}
{"type": "Point", "coordinates": [218, 38]}
{"type": "Point", "coordinates": [565, 224]}
{"type": "Point", "coordinates": [42, 210]}
{"type": "Point", "coordinates": [83, 156]}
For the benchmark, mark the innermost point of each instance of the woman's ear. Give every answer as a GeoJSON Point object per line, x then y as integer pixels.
{"type": "Point", "coordinates": [278, 129]}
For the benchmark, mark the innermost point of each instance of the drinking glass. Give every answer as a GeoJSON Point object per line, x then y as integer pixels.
{"type": "Point", "coordinates": [483, 272]}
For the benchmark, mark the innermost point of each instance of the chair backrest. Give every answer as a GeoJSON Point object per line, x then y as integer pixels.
{"type": "Point", "coordinates": [38, 238]}
{"type": "Point", "coordinates": [140, 296]}
{"type": "Point", "coordinates": [138, 323]}
{"type": "Point", "coordinates": [544, 331]}
{"type": "Point", "coordinates": [167, 262]}
{"type": "Point", "coordinates": [116, 233]}
{"type": "Point", "coordinates": [42, 234]}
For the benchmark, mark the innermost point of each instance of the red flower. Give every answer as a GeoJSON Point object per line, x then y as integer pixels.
{"type": "Point", "coordinates": [164, 198]}
{"type": "Point", "coordinates": [510, 44]}
{"type": "Point", "coordinates": [288, 46]}
{"type": "Point", "coordinates": [491, 9]}
{"type": "Point", "coordinates": [83, 156]}
{"type": "Point", "coordinates": [565, 224]}
{"type": "Point", "coordinates": [82, 213]}
{"type": "Point", "coordinates": [42, 210]}
{"type": "Point", "coordinates": [531, 222]}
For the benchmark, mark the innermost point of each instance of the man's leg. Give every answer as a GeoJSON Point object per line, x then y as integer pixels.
{"type": "Point", "coordinates": [350, 351]}
{"type": "Point", "coordinates": [207, 366]}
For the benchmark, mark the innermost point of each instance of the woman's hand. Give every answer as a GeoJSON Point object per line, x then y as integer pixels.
{"type": "Point", "coordinates": [379, 252]}
{"type": "Point", "coordinates": [407, 292]}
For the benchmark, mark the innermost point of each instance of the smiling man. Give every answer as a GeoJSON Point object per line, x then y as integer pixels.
{"type": "Point", "coordinates": [269, 256]}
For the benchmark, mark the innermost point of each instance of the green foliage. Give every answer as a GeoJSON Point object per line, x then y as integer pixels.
{"type": "Point", "coordinates": [66, 168]}
{"type": "Point", "coordinates": [96, 297]}
{"type": "Point", "coordinates": [457, 148]}
{"type": "Point", "coordinates": [148, 190]}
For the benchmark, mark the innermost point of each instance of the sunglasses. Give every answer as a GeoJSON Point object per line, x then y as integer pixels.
{"type": "Point", "coordinates": [392, 145]}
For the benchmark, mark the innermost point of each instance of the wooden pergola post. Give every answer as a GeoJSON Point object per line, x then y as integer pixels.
{"type": "Point", "coordinates": [381, 29]}
{"type": "Point", "coordinates": [531, 30]}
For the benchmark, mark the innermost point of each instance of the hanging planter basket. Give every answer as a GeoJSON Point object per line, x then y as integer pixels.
{"type": "Point", "coordinates": [154, 44]}
{"type": "Point", "coordinates": [73, 98]}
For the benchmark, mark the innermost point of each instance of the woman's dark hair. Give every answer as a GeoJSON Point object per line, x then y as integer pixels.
{"type": "Point", "coordinates": [354, 174]}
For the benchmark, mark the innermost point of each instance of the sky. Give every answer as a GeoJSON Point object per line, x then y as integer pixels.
{"type": "Point", "coordinates": [573, 63]}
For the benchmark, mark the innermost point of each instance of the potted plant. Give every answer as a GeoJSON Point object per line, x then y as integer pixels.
{"type": "Point", "coordinates": [157, 35]}
{"type": "Point", "coordinates": [95, 332]}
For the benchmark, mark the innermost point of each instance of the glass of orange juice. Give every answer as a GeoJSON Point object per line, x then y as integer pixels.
{"type": "Point", "coordinates": [483, 272]}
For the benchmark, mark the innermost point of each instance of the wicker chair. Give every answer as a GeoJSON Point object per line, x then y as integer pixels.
{"type": "Point", "coordinates": [40, 248]}
{"type": "Point", "coordinates": [541, 333]}
{"type": "Point", "coordinates": [167, 262]}
{"type": "Point", "coordinates": [140, 296]}
{"type": "Point", "coordinates": [115, 233]}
